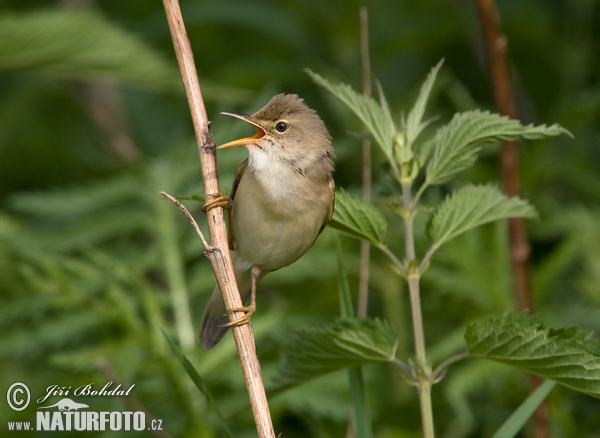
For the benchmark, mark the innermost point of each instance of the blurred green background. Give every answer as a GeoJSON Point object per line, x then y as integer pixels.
{"type": "Point", "coordinates": [93, 264]}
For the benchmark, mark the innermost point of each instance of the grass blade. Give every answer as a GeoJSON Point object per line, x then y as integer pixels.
{"type": "Point", "coordinates": [517, 420]}
{"type": "Point", "coordinates": [199, 382]}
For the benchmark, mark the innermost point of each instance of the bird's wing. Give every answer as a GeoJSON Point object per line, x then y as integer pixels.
{"type": "Point", "coordinates": [236, 182]}
{"type": "Point", "coordinates": [330, 212]}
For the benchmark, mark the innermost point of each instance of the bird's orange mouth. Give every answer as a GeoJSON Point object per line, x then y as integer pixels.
{"type": "Point", "coordinates": [260, 132]}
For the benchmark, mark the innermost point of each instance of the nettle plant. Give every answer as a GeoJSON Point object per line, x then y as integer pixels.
{"type": "Point", "coordinates": [567, 356]}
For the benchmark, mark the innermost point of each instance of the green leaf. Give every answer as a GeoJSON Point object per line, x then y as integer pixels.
{"type": "Point", "coordinates": [472, 206]}
{"type": "Point", "coordinates": [375, 116]}
{"type": "Point", "coordinates": [459, 142]}
{"type": "Point", "coordinates": [199, 382]}
{"type": "Point", "coordinates": [81, 44]}
{"type": "Point", "coordinates": [569, 356]}
{"type": "Point", "coordinates": [345, 343]}
{"type": "Point", "coordinates": [360, 405]}
{"type": "Point", "coordinates": [414, 124]}
{"type": "Point", "coordinates": [519, 418]}
{"type": "Point", "coordinates": [357, 218]}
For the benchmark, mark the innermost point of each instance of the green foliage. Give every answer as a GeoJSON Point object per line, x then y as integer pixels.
{"type": "Point", "coordinates": [86, 244]}
{"type": "Point", "coordinates": [375, 116]}
{"type": "Point", "coordinates": [570, 356]}
{"type": "Point", "coordinates": [361, 411]}
{"type": "Point", "coordinates": [199, 382]}
{"type": "Point", "coordinates": [88, 279]}
{"type": "Point", "coordinates": [472, 206]}
{"type": "Point", "coordinates": [414, 122]}
{"type": "Point", "coordinates": [458, 143]}
{"type": "Point", "coordinates": [357, 218]}
{"type": "Point", "coordinates": [80, 44]}
{"type": "Point", "coordinates": [520, 417]}
{"type": "Point", "coordinates": [315, 351]}
{"type": "Point", "coordinates": [455, 148]}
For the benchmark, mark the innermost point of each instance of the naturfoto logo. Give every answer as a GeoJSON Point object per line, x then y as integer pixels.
{"type": "Point", "coordinates": [67, 414]}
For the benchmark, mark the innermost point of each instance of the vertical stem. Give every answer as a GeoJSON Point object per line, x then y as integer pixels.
{"type": "Point", "coordinates": [409, 237]}
{"type": "Point", "coordinates": [417, 317]}
{"type": "Point", "coordinates": [365, 247]}
{"type": "Point", "coordinates": [219, 251]}
{"type": "Point", "coordinates": [426, 409]}
{"type": "Point", "coordinates": [423, 373]}
{"type": "Point", "coordinates": [497, 52]}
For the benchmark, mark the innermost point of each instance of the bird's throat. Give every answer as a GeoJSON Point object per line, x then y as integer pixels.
{"type": "Point", "coordinates": [278, 179]}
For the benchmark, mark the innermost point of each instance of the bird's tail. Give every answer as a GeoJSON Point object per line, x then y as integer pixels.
{"type": "Point", "coordinates": [214, 323]}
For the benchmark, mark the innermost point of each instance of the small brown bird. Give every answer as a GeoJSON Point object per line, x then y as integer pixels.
{"type": "Point", "coordinates": [282, 198]}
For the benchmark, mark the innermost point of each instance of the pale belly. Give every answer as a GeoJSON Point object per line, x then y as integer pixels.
{"type": "Point", "coordinates": [272, 234]}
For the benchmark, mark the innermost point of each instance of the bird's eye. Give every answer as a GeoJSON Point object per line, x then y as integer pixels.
{"type": "Point", "coordinates": [281, 127]}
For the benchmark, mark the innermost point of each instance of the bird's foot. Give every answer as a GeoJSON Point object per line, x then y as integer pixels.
{"type": "Point", "coordinates": [245, 319]}
{"type": "Point", "coordinates": [248, 310]}
{"type": "Point", "coordinates": [214, 200]}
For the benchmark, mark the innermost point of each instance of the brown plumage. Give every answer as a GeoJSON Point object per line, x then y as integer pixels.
{"type": "Point", "coordinates": [282, 198]}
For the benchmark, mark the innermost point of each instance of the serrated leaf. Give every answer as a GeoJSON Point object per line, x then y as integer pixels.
{"type": "Point", "coordinates": [569, 356]}
{"type": "Point", "coordinates": [472, 206]}
{"type": "Point", "coordinates": [414, 124]}
{"type": "Point", "coordinates": [375, 116]}
{"type": "Point", "coordinates": [459, 142]}
{"type": "Point", "coordinates": [345, 343]}
{"type": "Point", "coordinates": [81, 44]}
{"type": "Point", "coordinates": [357, 218]}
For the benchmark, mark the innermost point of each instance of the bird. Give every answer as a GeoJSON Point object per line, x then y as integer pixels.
{"type": "Point", "coordinates": [282, 198]}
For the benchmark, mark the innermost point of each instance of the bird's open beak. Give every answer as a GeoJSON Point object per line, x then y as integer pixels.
{"type": "Point", "coordinates": [260, 132]}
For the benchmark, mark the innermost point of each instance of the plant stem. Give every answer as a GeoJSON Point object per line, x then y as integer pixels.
{"type": "Point", "coordinates": [365, 247]}
{"type": "Point", "coordinates": [441, 368]}
{"type": "Point", "coordinates": [417, 318]}
{"type": "Point", "coordinates": [409, 238]}
{"type": "Point", "coordinates": [397, 263]}
{"type": "Point", "coordinates": [404, 368]}
{"type": "Point", "coordinates": [420, 192]}
{"type": "Point", "coordinates": [174, 270]}
{"type": "Point", "coordinates": [218, 252]}
{"type": "Point", "coordinates": [423, 372]}
{"type": "Point", "coordinates": [427, 256]}
{"type": "Point", "coordinates": [520, 248]}
{"type": "Point", "coordinates": [426, 409]}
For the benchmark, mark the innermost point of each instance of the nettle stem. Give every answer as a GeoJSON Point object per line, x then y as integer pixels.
{"type": "Point", "coordinates": [423, 370]}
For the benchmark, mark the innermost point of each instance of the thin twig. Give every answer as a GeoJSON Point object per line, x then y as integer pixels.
{"type": "Point", "coordinates": [520, 249]}
{"type": "Point", "coordinates": [497, 50]}
{"type": "Point", "coordinates": [427, 256]}
{"type": "Point", "coordinates": [395, 260]}
{"type": "Point", "coordinates": [175, 277]}
{"type": "Point", "coordinates": [220, 259]}
{"type": "Point", "coordinates": [445, 364]}
{"type": "Point", "coordinates": [190, 218]}
{"type": "Point", "coordinates": [405, 368]}
{"type": "Point", "coordinates": [365, 247]}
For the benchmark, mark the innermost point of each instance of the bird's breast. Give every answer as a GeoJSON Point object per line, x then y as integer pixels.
{"type": "Point", "coordinates": [277, 215]}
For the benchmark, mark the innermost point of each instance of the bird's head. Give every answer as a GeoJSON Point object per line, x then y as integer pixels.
{"type": "Point", "coordinates": [286, 129]}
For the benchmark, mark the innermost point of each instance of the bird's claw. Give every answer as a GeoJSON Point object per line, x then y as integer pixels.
{"type": "Point", "coordinates": [214, 200]}
{"type": "Point", "coordinates": [245, 319]}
